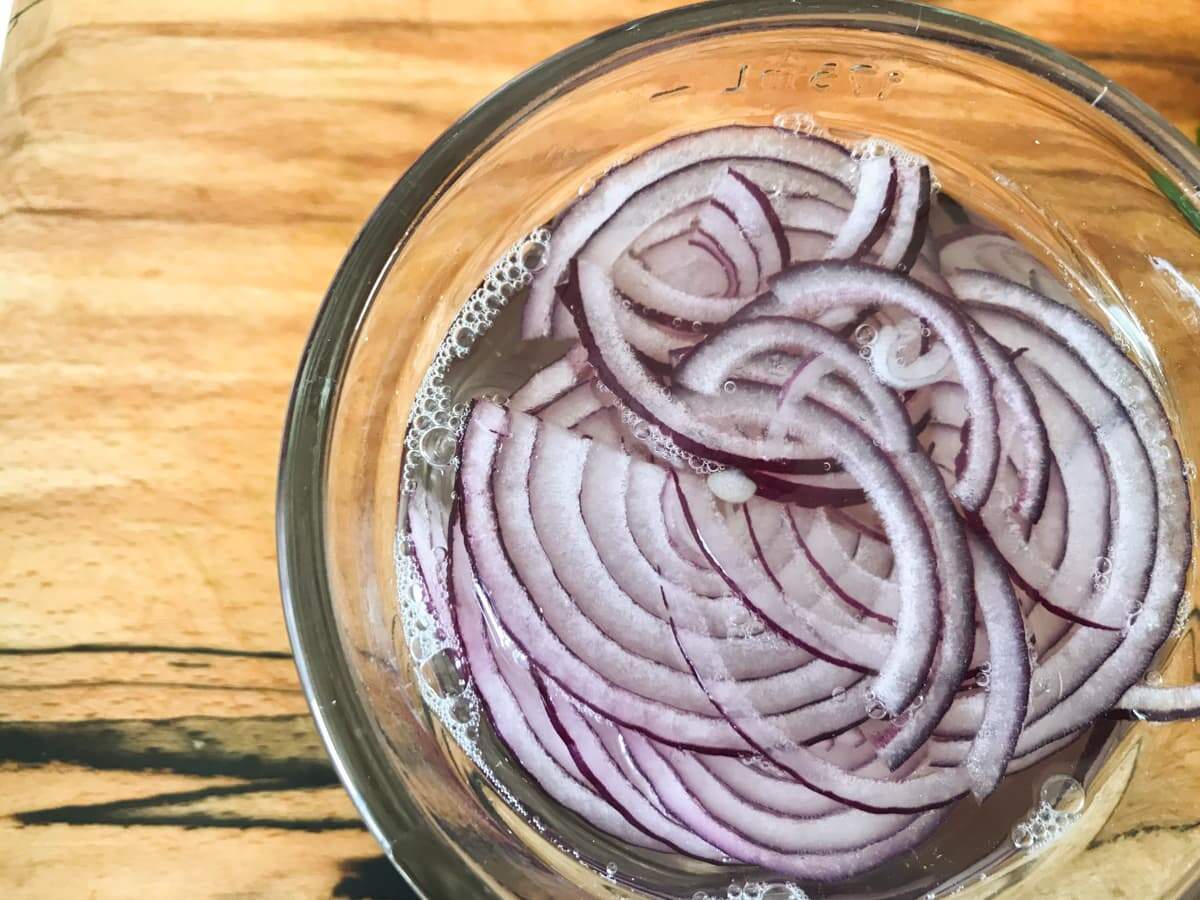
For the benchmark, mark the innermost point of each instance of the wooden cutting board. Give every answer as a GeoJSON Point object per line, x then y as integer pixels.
{"type": "Point", "coordinates": [178, 182]}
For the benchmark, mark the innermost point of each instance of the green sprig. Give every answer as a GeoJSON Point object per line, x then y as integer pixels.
{"type": "Point", "coordinates": [1172, 192]}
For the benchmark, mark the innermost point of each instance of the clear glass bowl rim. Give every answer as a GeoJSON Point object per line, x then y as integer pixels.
{"type": "Point", "coordinates": [341, 717]}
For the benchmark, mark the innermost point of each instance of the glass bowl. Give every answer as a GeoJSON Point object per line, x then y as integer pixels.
{"type": "Point", "coordinates": [1098, 186]}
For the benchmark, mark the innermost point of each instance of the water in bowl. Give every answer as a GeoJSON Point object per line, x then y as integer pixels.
{"type": "Point", "coordinates": [484, 358]}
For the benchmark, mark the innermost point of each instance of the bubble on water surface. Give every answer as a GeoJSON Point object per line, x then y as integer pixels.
{"type": "Point", "coordinates": [1061, 801]}
{"type": "Point", "coordinates": [799, 123]}
{"type": "Point", "coordinates": [438, 446]}
{"type": "Point", "coordinates": [875, 708]}
{"type": "Point", "coordinates": [1021, 836]}
{"type": "Point", "coordinates": [1063, 794]}
{"type": "Point", "coordinates": [865, 334]}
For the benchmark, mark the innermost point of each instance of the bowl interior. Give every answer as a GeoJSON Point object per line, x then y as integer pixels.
{"type": "Point", "coordinates": [1024, 137]}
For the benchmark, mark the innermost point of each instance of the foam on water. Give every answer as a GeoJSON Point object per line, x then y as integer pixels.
{"type": "Point", "coordinates": [756, 890]}
{"type": "Point", "coordinates": [435, 427]}
{"type": "Point", "coordinates": [457, 707]}
{"type": "Point", "coordinates": [872, 147]}
{"type": "Point", "coordinates": [1060, 804]}
{"type": "Point", "coordinates": [983, 678]}
{"type": "Point", "coordinates": [800, 123]}
{"type": "Point", "coordinates": [436, 423]}
{"type": "Point", "coordinates": [661, 445]}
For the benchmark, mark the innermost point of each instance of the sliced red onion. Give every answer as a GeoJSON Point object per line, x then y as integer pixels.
{"type": "Point", "coordinates": [820, 866]}
{"type": "Point", "coordinates": [762, 529]}
{"type": "Point", "coordinates": [892, 370]}
{"type": "Point", "coordinates": [866, 591]}
{"type": "Point", "coordinates": [591, 296]}
{"type": "Point", "coordinates": [803, 491]}
{"type": "Point", "coordinates": [757, 219]}
{"type": "Point", "coordinates": [685, 261]}
{"type": "Point", "coordinates": [810, 290]}
{"type": "Point", "coordinates": [974, 249]}
{"type": "Point", "coordinates": [1048, 537]}
{"type": "Point", "coordinates": [721, 146]}
{"type": "Point", "coordinates": [562, 324]}
{"type": "Point", "coordinates": [1008, 694]}
{"type": "Point", "coordinates": [521, 682]}
{"type": "Point", "coordinates": [555, 476]}
{"type": "Point", "coordinates": [656, 298]}
{"type": "Point", "coordinates": [659, 245]}
{"type": "Point", "coordinates": [926, 273]}
{"type": "Point", "coordinates": [916, 794]}
{"type": "Point", "coordinates": [871, 555]}
{"type": "Point", "coordinates": [525, 551]}
{"type": "Point", "coordinates": [644, 514]}
{"type": "Point", "coordinates": [570, 408]}
{"type": "Point", "coordinates": [1169, 512]}
{"type": "Point", "coordinates": [430, 552]}
{"type": "Point", "coordinates": [648, 338]}
{"type": "Point", "coordinates": [632, 565]}
{"type": "Point", "coordinates": [509, 603]}
{"type": "Point", "coordinates": [905, 233]}
{"type": "Point", "coordinates": [792, 572]}
{"type": "Point", "coordinates": [508, 720]}
{"type": "Point", "coordinates": [825, 640]}
{"type": "Point", "coordinates": [873, 201]}
{"type": "Point", "coordinates": [549, 384]}
{"type": "Point", "coordinates": [1089, 444]}
{"type": "Point", "coordinates": [812, 215]}
{"type": "Point", "coordinates": [805, 244]}
{"type": "Point", "coordinates": [778, 686]}
{"type": "Point", "coordinates": [554, 483]}
{"type": "Point", "coordinates": [1069, 662]}
{"type": "Point", "coordinates": [611, 782]}
{"type": "Point", "coordinates": [703, 378]}
{"type": "Point", "coordinates": [1020, 420]}
{"type": "Point", "coordinates": [675, 520]}
{"type": "Point", "coordinates": [863, 520]}
{"type": "Point", "coordinates": [663, 631]}
{"type": "Point", "coordinates": [604, 426]}
{"type": "Point", "coordinates": [709, 362]}
{"type": "Point", "coordinates": [769, 787]}
{"type": "Point", "coordinates": [898, 437]}
{"type": "Point", "coordinates": [1159, 703]}
{"type": "Point", "coordinates": [707, 368]}
{"type": "Point", "coordinates": [1017, 399]}
{"type": "Point", "coordinates": [557, 635]}
{"type": "Point", "coordinates": [767, 826]}
{"type": "Point", "coordinates": [732, 223]}
{"type": "Point", "coordinates": [768, 534]}
{"type": "Point", "coordinates": [1039, 558]}
{"type": "Point", "coordinates": [717, 228]}
{"type": "Point", "coordinates": [1065, 587]}
{"type": "Point", "coordinates": [905, 669]}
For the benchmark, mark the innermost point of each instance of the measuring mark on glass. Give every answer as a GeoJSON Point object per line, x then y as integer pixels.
{"type": "Point", "coordinates": [658, 95]}
{"type": "Point", "coordinates": [740, 82]}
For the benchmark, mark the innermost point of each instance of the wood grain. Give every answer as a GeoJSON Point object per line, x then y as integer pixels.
{"type": "Point", "coordinates": [179, 182]}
